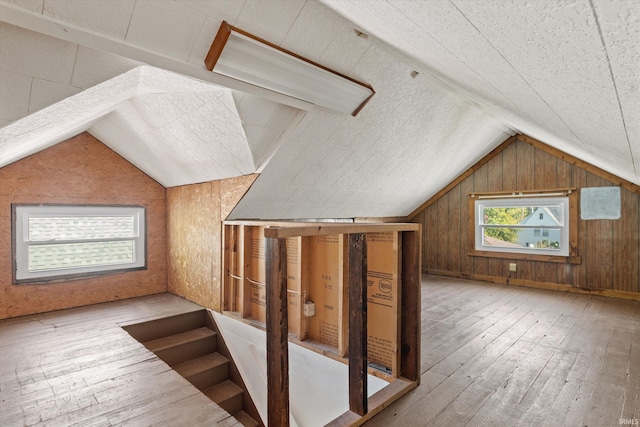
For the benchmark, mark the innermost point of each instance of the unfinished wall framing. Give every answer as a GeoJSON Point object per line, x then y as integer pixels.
{"type": "Point", "coordinates": [609, 250]}
{"type": "Point", "coordinates": [360, 299]}
{"type": "Point", "coordinates": [317, 272]}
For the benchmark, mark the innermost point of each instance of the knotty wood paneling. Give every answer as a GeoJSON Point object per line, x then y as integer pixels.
{"type": "Point", "coordinates": [480, 184]}
{"type": "Point", "coordinates": [194, 222]}
{"type": "Point", "coordinates": [454, 230]}
{"type": "Point", "coordinates": [442, 240]}
{"type": "Point", "coordinates": [466, 262]}
{"type": "Point", "coordinates": [599, 250]}
{"type": "Point", "coordinates": [80, 170]}
{"type": "Point", "coordinates": [494, 183]}
{"type": "Point", "coordinates": [609, 249]}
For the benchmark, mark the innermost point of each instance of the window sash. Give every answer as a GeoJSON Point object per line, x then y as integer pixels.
{"type": "Point", "coordinates": [562, 203]}
{"type": "Point", "coordinates": [64, 264]}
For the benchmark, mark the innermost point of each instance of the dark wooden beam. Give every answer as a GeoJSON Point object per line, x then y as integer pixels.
{"type": "Point", "coordinates": [410, 309]}
{"type": "Point", "coordinates": [358, 323]}
{"type": "Point", "coordinates": [277, 333]}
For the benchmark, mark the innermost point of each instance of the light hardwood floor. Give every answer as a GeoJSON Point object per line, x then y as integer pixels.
{"type": "Point", "coordinates": [494, 355]}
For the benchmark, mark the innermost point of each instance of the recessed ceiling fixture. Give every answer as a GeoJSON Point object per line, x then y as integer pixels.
{"type": "Point", "coordinates": [243, 56]}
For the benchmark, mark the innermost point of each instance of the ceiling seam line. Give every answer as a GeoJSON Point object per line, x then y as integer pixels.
{"type": "Point", "coordinates": [75, 62]}
{"type": "Point", "coordinates": [204, 21]}
{"type": "Point", "coordinates": [435, 76]}
{"type": "Point", "coordinates": [281, 43]}
{"type": "Point", "coordinates": [615, 86]}
{"type": "Point", "coordinates": [465, 64]}
{"type": "Point", "coordinates": [126, 33]}
{"type": "Point", "coordinates": [520, 75]}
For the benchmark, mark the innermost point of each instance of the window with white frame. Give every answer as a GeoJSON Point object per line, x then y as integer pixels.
{"type": "Point", "coordinates": [56, 241]}
{"type": "Point", "coordinates": [525, 224]}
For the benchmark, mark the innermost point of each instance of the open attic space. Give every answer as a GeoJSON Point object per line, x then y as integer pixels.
{"type": "Point", "coordinates": [488, 172]}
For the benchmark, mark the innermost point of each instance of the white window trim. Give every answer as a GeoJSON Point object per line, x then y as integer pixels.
{"type": "Point", "coordinates": [480, 204]}
{"type": "Point", "coordinates": [21, 242]}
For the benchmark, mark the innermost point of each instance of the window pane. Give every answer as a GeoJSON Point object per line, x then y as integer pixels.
{"type": "Point", "coordinates": [80, 228]}
{"type": "Point", "coordinates": [506, 216]}
{"type": "Point", "coordinates": [70, 255]}
{"type": "Point", "coordinates": [526, 215]}
{"type": "Point", "coordinates": [501, 237]}
{"type": "Point", "coordinates": [522, 238]}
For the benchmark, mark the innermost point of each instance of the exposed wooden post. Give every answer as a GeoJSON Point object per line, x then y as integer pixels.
{"type": "Point", "coordinates": [277, 333]}
{"type": "Point", "coordinates": [358, 323]}
{"type": "Point", "coordinates": [410, 310]}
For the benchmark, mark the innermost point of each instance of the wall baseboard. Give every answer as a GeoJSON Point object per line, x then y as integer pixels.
{"type": "Point", "coordinates": [537, 285]}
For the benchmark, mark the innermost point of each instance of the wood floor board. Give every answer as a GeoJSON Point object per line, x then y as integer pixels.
{"type": "Point", "coordinates": [463, 407]}
{"type": "Point", "coordinates": [79, 367]}
{"type": "Point", "coordinates": [531, 410]}
{"type": "Point", "coordinates": [497, 410]}
{"type": "Point", "coordinates": [452, 342]}
{"type": "Point", "coordinates": [526, 357]}
{"type": "Point", "coordinates": [492, 355]}
{"type": "Point", "coordinates": [428, 407]}
{"type": "Point", "coordinates": [428, 381]}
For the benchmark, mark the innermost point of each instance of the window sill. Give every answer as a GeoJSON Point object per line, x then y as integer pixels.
{"type": "Point", "coordinates": [527, 257]}
{"type": "Point", "coordinates": [72, 277]}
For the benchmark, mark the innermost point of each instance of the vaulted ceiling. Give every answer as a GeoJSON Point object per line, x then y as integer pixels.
{"type": "Point", "coordinates": [452, 78]}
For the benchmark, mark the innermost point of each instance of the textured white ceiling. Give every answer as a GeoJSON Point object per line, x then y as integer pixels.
{"type": "Point", "coordinates": [564, 72]}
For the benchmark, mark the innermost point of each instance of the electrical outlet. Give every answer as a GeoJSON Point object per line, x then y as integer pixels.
{"type": "Point", "coordinates": [512, 267]}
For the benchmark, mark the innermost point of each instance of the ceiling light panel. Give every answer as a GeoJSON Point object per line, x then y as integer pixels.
{"type": "Point", "coordinates": [240, 55]}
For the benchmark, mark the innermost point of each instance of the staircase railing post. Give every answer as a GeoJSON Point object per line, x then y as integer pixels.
{"type": "Point", "coordinates": [358, 401]}
{"type": "Point", "coordinates": [277, 333]}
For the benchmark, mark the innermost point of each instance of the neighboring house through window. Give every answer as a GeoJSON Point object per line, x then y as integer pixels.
{"type": "Point", "coordinates": [523, 224]}
{"type": "Point", "coordinates": [61, 241]}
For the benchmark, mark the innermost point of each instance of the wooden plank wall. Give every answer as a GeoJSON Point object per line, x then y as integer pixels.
{"type": "Point", "coordinates": [80, 170]}
{"type": "Point", "coordinates": [194, 215]}
{"type": "Point", "coordinates": [609, 248]}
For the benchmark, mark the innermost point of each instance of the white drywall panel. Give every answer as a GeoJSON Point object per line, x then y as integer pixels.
{"type": "Point", "coordinates": [318, 385]}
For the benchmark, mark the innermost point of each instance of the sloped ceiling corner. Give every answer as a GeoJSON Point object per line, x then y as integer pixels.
{"type": "Point", "coordinates": [563, 72]}
{"type": "Point", "coordinates": [176, 129]}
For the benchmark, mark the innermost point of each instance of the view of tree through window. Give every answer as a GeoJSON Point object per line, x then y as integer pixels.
{"type": "Point", "coordinates": [505, 216]}
{"type": "Point", "coordinates": [513, 226]}
{"type": "Point", "coordinates": [529, 224]}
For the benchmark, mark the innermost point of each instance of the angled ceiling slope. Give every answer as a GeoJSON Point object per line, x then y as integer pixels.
{"type": "Point", "coordinates": [563, 72]}
{"type": "Point", "coordinates": [176, 129]}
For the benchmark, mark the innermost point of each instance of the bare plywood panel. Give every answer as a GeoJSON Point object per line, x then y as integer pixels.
{"type": "Point", "coordinates": [232, 190]}
{"type": "Point", "coordinates": [80, 170]}
{"type": "Point", "coordinates": [193, 221]}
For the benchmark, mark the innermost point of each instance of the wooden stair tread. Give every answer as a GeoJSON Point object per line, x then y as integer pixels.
{"type": "Point", "coordinates": [223, 391]}
{"type": "Point", "coordinates": [201, 364]}
{"type": "Point", "coordinates": [179, 339]}
{"type": "Point", "coordinates": [245, 419]}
